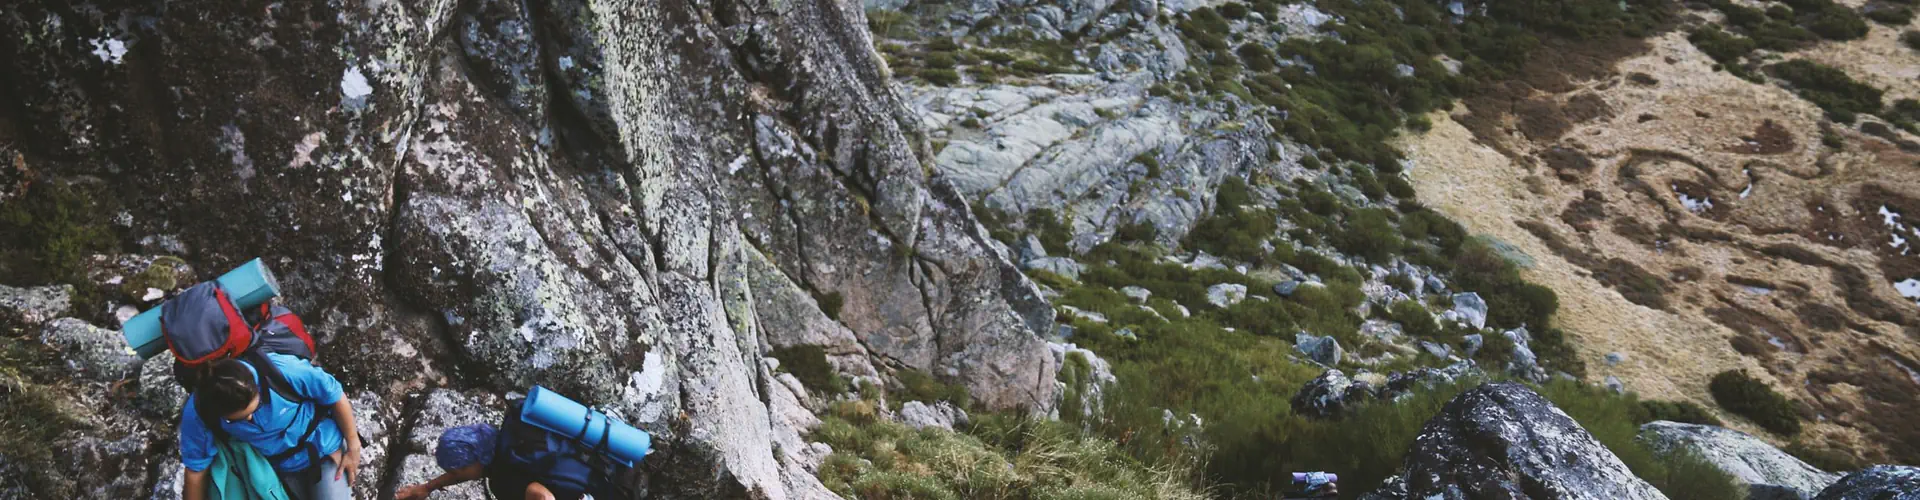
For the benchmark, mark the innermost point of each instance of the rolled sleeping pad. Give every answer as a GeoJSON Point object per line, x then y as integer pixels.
{"type": "Point", "coordinates": [249, 285]}
{"type": "Point", "coordinates": [1309, 477]}
{"type": "Point", "coordinates": [557, 414]}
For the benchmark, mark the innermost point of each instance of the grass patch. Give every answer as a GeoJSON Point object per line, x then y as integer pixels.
{"type": "Point", "coordinates": [916, 385]}
{"type": "Point", "coordinates": [996, 457]}
{"type": "Point", "coordinates": [809, 364]}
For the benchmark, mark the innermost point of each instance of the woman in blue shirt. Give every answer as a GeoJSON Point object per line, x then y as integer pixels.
{"type": "Point", "coordinates": [308, 434]}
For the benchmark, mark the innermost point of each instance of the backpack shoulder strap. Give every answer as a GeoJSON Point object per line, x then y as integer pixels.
{"type": "Point", "coordinates": [271, 377]}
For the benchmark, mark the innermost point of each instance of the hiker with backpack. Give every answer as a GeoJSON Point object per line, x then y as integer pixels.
{"type": "Point", "coordinates": [249, 366]}
{"type": "Point", "coordinates": [306, 430]}
{"type": "Point", "coordinates": [522, 460]}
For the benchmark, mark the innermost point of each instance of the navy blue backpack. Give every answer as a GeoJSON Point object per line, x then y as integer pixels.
{"type": "Point", "coordinates": [567, 468]}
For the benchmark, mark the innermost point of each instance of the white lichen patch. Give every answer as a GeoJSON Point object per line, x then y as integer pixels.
{"type": "Point", "coordinates": [354, 88]}
{"type": "Point", "coordinates": [109, 50]}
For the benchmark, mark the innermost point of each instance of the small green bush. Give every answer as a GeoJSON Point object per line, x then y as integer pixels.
{"type": "Point", "coordinates": [1911, 38]}
{"type": "Point", "coordinates": [1054, 233]}
{"type": "Point", "coordinates": [1891, 15]}
{"type": "Point", "coordinates": [916, 385]}
{"type": "Point", "coordinates": [830, 303]}
{"type": "Point", "coordinates": [942, 77]}
{"type": "Point", "coordinates": [1826, 459]}
{"type": "Point", "coordinates": [1370, 234]}
{"type": "Point", "coordinates": [1725, 48]}
{"type": "Point", "coordinates": [1685, 412]}
{"type": "Point", "coordinates": [1749, 397]}
{"type": "Point", "coordinates": [1839, 95]}
{"type": "Point", "coordinates": [809, 364]}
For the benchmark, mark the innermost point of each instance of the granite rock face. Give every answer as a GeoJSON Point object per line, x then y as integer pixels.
{"type": "Point", "coordinates": [1880, 482]}
{"type": "Point", "coordinates": [1503, 440]}
{"type": "Point", "coordinates": [1766, 471]}
{"type": "Point", "coordinates": [628, 202]}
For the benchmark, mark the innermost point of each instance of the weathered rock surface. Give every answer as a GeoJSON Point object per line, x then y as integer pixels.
{"type": "Point", "coordinates": [1469, 308]}
{"type": "Point", "coordinates": [1330, 394]}
{"type": "Point", "coordinates": [1504, 441]}
{"type": "Point", "coordinates": [1766, 471]}
{"type": "Point", "coordinates": [941, 415]}
{"type": "Point", "coordinates": [1880, 482]}
{"type": "Point", "coordinates": [22, 309]}
{"type": "Point", "coordinates": [1226, 294]}
{"type": "Point", "coordinates": [1321, 349]}
{"type": "Point", "coordinates": [89, 351]}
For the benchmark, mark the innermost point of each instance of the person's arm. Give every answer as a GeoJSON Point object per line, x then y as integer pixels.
{"type": "Point", "coordinates": [450, 478]}
{"type": "Point", "coordinates": [537, 491]}
{"type": "Point", "coordinates": [320, 387]}
{"type": "Point", "coordinates": [196, 485]}
{"type": "Point", "coordinates": [196, 452]}
{"type": "Point", "coordinates": [349, 464]}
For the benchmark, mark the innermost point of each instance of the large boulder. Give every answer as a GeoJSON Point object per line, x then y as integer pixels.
{"type": "Point", "coordinates": [1324, 350]}
{"type": "Point", "coordinates": [92, 352]}
{"type": "Point", "coordinates": [1226, 294]}
{"type": "Point", "coordinates": [1502, 440]}
{"type": "Point", "coordinates": [1880, 482]}
{"type": "Point", "coordinates": [1767, 472]}
{"type": "Point", "coordinates": [1469, 308]}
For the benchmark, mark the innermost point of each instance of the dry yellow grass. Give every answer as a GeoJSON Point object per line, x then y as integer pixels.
{"type": "Point", "coordinates": [1691, 127]}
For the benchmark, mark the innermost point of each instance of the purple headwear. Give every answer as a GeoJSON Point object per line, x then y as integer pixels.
{"type": "Point", "coordinates": [465, 445]}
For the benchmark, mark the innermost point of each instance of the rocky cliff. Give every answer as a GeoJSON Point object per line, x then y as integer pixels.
{"type": "Point", "coordinates": [631, 202]}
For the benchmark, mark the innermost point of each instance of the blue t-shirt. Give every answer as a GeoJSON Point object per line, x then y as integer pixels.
{"type": "Point", "coordinates": [274, 431]}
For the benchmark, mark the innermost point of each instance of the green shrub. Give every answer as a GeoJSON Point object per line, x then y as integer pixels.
{"type": "Point", "coordinates": [1749, 397]}
{"type": "Point", "coordinates": [1256, 56]}
{"type": "Point", "coordinates": [47, 233]}
{"type": "Point", "coordinates": [830, 303]}
{"type": "Point", "coordinates": [1830, 88]}
{"type": "Point", "coordinates": [1370, 234]}
{"type": "Point", "coordinates": [916, 385]}
{"type": "Point", "coordinates": [809, 364]}
{"type": "Point", "coordinates": [1826, 459]}
{"type": "Point", "coordinates": [941, 77]}
{"type": "Point", "coordinates": [1053, 232]}
{"type": "Point", "coordinates": [1891, 15]}
{"type": "Point", "coordinates": [1685, 412]}
{"type": "Point", "coordinates": [1725, 48]}
{"type": "Point", "coordinates": [1415, 320]}
{"type": "Point", "coordinates": [1911, 38]}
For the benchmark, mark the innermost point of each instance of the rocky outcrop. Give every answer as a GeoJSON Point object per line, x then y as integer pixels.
{"type": "Point", "coordinates": [593, 196]}
{"type": "Point", "coordinates": [23, 307]}
{"type": "Point", "coordinates": [1324, 350]}
{"type": "Point", "coordinates": [1330, 394]}
{"type": "Point", "coordinates": [940, 415]}
{"type": "Point", "coordinates": [1880, 482]}
{"type": "Point", "coordinates": [1333, 393]}
{"type": "Point", "coordinates": [1504, 441]}
{"type": "Point", "coordinates": [1767, 472]}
